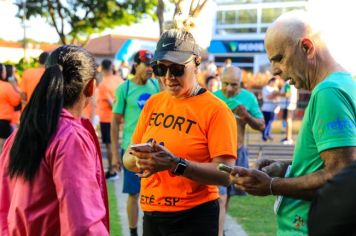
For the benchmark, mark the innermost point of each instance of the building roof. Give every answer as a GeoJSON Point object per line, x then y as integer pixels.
{"type": "Point", "coordinates": [40, 46]}
{"type": "Point", "coordinates": [108, 45]}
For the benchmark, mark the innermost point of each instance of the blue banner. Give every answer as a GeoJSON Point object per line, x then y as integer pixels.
{"type": "Point", "coordinates": [236, 46]}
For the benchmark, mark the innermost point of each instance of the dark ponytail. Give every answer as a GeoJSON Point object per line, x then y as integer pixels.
{"type": "Point", "coordinates": [38, 122]}
{"type": "Point", "coordinates": [69, 69]}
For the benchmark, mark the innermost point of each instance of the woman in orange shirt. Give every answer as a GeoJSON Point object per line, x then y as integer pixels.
{"type": "Point", "coordinates": [192, 131]}
{"type": "Point", "coordinates": [11, 76]}
{"type": "Point", "coordinates": [9, 99]}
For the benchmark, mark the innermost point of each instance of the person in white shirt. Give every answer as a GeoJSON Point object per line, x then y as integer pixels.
{"type": "Point", "coordinates": [270, 106]}
{"type": "Point", "coordinates": [288, 104]}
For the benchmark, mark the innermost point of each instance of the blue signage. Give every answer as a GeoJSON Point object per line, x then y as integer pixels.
{"type": "Point", "coordinates": [236, 46]}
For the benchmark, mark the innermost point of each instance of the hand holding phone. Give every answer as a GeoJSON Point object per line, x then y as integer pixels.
{"type": "Point", "coordinates": [142, 147]}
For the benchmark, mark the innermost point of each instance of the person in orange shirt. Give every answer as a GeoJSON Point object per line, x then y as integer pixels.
{"type": "Point", "coordinates": [9, 99]}
{"type": "Point", "coordinates": [190, 131]}
{"type": "Point", "coordinates": [105, 99]}
{"type": "Point", "coordinates": [32, 76]}
{"type": "Point", "coordinates": [10, 76]}
{"type": "Point", "coordinates": [89, 111]}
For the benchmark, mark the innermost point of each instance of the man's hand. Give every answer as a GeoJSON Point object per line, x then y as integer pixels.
{"type": "Point", "coordinates": [253, 181]}
{"type": "Point", "coordinates": [116, 161]}
{"type": "Point", "coordinates": [272, 168]}
{"type": "Point", "coordinates": [241, 112]}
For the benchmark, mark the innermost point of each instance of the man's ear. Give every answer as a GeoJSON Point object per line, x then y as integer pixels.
{"type": "Point", "coordinates": [308, 47]}
{"type": "Point", "coordinates": [89, 88]}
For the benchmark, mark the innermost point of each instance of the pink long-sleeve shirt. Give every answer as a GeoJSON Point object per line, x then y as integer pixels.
{"type": "Point", "coordinates": [68, 195]}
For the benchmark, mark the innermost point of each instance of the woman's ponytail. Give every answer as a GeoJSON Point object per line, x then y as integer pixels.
{"type": "Point", "coordinates": [38, 123]}
{"type": "Point", "coordinates": [69, 69]}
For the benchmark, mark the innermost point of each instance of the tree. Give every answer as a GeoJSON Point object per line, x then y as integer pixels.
{"type": "Point", "coordinates": [194, 10]}
{"type": "Point", "coordinates": [75, 20]}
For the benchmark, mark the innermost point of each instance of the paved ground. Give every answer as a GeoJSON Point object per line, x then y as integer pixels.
{"type": "Point", "coordinates": [121, 201]}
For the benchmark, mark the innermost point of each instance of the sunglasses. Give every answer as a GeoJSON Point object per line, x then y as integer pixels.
{"type": "Point", "coordinates": [176, 70]}
{"type": "Point", "coordinates": [147, 59]}
{"type": "Point", "coordinates": [147, 62]}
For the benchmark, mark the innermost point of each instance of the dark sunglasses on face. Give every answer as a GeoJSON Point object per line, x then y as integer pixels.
{"type": "Point", "coordinates": [147, 62]}
{"type": "Point", "coordinates": [176, 70]}
{"type": "Point", "coordinates": [146, 59]}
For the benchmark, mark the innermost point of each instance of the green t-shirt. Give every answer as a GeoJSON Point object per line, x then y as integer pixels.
{"type": "Point", "coordinates": [329, 122]}
{"type": "Point", "coordinates": [129, 100]}
{"type": "Point", "coordinates": [245, 98]}
{"type": "Point", "coordinates": [286, 88]}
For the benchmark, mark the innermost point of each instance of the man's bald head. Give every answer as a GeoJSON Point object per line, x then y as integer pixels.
{"type": "Point", "coordinates": [231, 80]}
{"type": "Point", "coordinates": [296, 50]}
{"type": "Point", "coordinates": [290, 27]}
{"type": "Point", "coordinates": [232, 72]}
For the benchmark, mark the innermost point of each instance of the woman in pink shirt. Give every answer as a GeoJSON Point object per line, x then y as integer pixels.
{"type": "Point", "coordinates": [51, 174]}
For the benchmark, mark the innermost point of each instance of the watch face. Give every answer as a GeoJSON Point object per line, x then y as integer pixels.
{"type": "Point", "coordinates": [180, 168]}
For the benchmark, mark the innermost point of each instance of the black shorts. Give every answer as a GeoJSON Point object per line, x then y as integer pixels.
{"type": "Point", "coordinates": [5, 129]}
{"type": "Point", "coordinates": [200, 220]}
{"type": "Point", "coordinates": [287, 114]}
{"type": "Point", "coordinates": [105, 132]}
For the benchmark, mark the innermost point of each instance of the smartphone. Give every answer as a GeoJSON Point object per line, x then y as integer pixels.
{"type": "Point", "coordinates": [225, 168]}
{"type": "Point", "coordinates": [142, 147]}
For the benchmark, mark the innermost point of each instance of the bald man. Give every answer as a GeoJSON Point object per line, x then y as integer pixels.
{"type": "Point", "coordinates": [245, 107]}
{"type": "Point", "coordinates": [327, 139]}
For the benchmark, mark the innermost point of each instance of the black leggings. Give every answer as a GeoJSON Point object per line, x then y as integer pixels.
{"type": "Point", "coordinates": [5, 129]}
{"type": "Point", "coordinates": [200, 220]}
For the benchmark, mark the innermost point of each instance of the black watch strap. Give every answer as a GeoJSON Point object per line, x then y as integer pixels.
{"type": "Point", "coordinates": [180, 167]}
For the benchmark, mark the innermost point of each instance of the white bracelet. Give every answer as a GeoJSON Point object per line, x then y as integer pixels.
{"type": "Point", "coordinates": [270, 185]}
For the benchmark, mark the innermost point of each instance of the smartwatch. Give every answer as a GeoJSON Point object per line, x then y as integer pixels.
{"type": "Point", "coordinates": [180, 167]}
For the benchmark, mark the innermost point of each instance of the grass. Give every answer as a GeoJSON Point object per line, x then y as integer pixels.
{"type": "Point", "coordinates": [254, 214]}
{"type": "Point", "coordinates": [115, 225]}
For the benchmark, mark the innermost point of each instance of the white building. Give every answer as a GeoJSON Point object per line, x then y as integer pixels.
{"type": "Point", "coordinates": [13, 51]}
{"type": "Point", "coordinates": [240, 27]}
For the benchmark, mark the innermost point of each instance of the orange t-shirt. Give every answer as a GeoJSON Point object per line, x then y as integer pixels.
{"type": "Point", "coordinates": [106, 96]}
{"type": "Point", "coordinates": [9, 98]}
{"type": "Point", "coordinates": [16, 117]}
{"type": "Point", "coordinates": [89, 111]}
{"type": "Point", "coordinates": [197, 129]}
{"type": "Point", "coordinates": [30, 79]}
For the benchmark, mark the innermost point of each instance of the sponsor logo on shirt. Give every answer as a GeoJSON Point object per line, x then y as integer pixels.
{"type": "Point", "coordinates": [341, 125]}
{"type": "Point", "coordinates": [143, 99]}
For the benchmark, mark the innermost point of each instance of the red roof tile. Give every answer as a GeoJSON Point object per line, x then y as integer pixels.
{"type": "Point", "coordinates": [43, 46]}
{"type": "Point", "coordinates": [108, 45]}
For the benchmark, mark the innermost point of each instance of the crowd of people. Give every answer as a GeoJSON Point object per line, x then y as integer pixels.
{"type": "Point", "coordinates": [168, 130]}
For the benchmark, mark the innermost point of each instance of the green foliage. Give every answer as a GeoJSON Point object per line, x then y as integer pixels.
{"type": "Point", "coordinates": [255, 214]}
{"type": "Point", "coordinates": [22, 65]}
{"type": "Point", "coordinates": [76, 20]}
